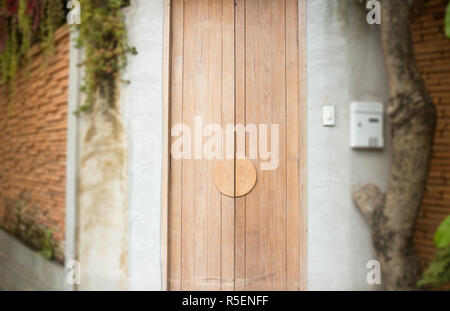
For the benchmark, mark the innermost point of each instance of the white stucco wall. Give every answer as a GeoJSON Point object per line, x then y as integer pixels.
{"type": "Point", "coordinates": [345, 63]}
{"type": "Point", "coordinates": [143, 122]}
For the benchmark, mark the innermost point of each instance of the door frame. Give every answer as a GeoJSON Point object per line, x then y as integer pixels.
{"type": "Point", "coordinates": [166, 144]}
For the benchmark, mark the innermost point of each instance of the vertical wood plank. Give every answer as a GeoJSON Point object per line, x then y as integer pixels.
{"type": "Point", "coordinates": [213, 207]}
{"type": "Point", "coordinates": [191, 53]}
{"type": "Point", "coordinates": [202, 89]}
{"type": "Point", "coordinates": [293, 128]}
{"type": "Point", "coordinates": [263, 81]}
{"type": "Point", "coordinates": [240, 118]}
{"type": "Point", "coordinates": [279, 181]}
{"type": "Point", "coordinates": [253, 236]}
{"type": "Point", "coordinates": [176, 117]}
{"type": "Point", "coordinates": [228, 117]}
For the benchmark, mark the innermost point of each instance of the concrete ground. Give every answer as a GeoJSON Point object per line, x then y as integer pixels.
{"type": "Point", "coordinates": [23, 269]}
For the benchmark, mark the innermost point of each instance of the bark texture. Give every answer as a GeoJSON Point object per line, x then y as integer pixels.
{"type": "Point", "coordinates": [392, 216]}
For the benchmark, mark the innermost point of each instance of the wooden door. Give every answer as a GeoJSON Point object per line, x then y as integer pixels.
{"type": "Point", "coordinates": [234, 62]}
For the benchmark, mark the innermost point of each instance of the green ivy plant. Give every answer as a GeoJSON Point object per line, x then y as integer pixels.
{"type": "Point", "coordinates": [26, 230]}
{"type": "Point", "coordinates": [23, 23]}
{"type": "Point", "coordinates": [103, 36]}
{"type": "Point", "coordinates": [47, 245]}
{"type": "Point", "coordinates": [438, 272]}
{"type": "Point", "coordinates": [447, 21]}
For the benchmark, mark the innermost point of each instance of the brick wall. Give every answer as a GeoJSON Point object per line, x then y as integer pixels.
{"type": "Point", "coordinates": [33, 148]}
{"type": "Point", "coordinates": [432, 50]}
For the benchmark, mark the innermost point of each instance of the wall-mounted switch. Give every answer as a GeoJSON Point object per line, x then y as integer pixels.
{"type": "Point", "coordinates": [328, 116]}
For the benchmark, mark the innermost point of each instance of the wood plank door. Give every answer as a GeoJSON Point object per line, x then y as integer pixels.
{"type": "Point", "coordinates": [235, 64]}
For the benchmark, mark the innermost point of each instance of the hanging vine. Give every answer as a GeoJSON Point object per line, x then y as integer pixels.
{"type": "Point", "coordinates": [23, 23]}
{"type": "Point", "coordinates": [102, 35]}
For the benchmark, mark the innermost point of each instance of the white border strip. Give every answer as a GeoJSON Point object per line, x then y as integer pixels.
{"type": "Point", "coordinates": [72, 153]}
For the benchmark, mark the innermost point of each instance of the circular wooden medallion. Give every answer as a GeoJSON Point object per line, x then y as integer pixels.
{"type": "Point", "coordinates": [245, 177]}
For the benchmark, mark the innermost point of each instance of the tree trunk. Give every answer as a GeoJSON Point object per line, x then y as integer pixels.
{"type": "Point", "coordinates": [413, 118]}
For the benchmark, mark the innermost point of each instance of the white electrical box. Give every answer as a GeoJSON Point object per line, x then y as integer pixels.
{"type": "Point", "coordinates": [328, 116]}
{"type": "Point", "coordinates": [366, 125]}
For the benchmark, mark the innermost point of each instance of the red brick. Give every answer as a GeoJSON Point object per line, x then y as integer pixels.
{"type": "Point", "coordinates": [432, 50]}
{"type": "Point", "coordinates": [33, 141]}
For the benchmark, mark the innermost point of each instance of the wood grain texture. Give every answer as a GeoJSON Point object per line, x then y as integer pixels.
{"type": "Point", "coordinates": [253, 235]}
{"type": "Point", "coordinates": [268, 231]}
{"type": "Point", "coordinates": [240, 209]}
{"type": "Point", "coordinates": [238, 62]}
{"type": "Point", "coordinates": [227, 259]}
{"type": "Point", "coordinates": [176, 116]}
{"type": "Point", "coordinates": [191, 47]}
{"type": "Point", "coordinates": [202, 59]}
{"type": "Point", "coordinates": [235, 178]}
{"type": "Point", "coordinates": [293, 149]}
{"type": "Point", "coordinates": [280, 183]}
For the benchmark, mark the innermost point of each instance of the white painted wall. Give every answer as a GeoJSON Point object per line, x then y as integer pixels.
{"type": "Point", "coordinates": [143, 121]}
{"type": "Point", "coordinates": [72, 154]}
{"type": "Point", "coordinates": [345, 63]}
